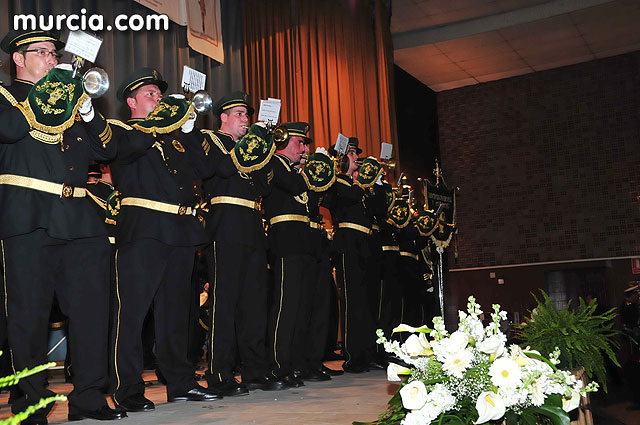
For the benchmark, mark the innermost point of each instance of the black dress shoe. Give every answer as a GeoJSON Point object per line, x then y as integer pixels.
{"type": "Point", "coordinates": [196, 393]}
{"type": "Point", "coordinates": [332, 372]}
{"type": "Point", "coordinates": [135, 403]}
{"type": "Point", "coordinates": [317, 375]}
{"type": "Point", "coordinates": [355, 368]}
{"type": "Point", "coordinates": [31, 420]}
{"type": "Point", "coordinates": [293, 382]}
{"type": "Point", "coordinates": [299, 374]}
{"type": "Point", "coordinates": [378, 365]}
{"type": "Point", "coordinates": [105, 413]}
{"type": "Point", "coordinates": [229, 387]}
{"type": "Point", "coordinates": [265, 383]}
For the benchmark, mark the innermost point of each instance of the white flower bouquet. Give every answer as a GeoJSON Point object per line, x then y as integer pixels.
{"type": "Point", "coordinates": [472, 377]}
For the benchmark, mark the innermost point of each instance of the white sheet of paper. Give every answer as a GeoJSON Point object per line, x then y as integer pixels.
{"type": "Point", "coordinates": [385, 150]}
{"type": "Point", "coordinates": [84, 45]}
{"type": "Point", "coordinates": [193, 80]}
{"type": "Point", "coordinates": [269, 110]}
{"type": "Point", "coordinates": [342, 143]}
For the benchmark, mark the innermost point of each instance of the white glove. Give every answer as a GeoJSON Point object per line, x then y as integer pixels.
{"type": "Point", "coordinates": [322, 150]}
{"type": "Point", "coordinates": [379, 181]}
{"type": "Point", "coordinates": [372, 157]}
{"type": "Point", "coordinates": [65, 66]}
{"type": "Point", "coordinates": [189, 124]}
{"type": "Point", "coordinates": [177, 96]}
{"type": "Point", "coordinates": [261, 124]}
{"type": "Point", "coordinates": [86, 110]}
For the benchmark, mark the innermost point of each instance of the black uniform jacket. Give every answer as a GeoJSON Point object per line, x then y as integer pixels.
{"type": "Point", "coordinates": [161, 168]}
{"type": "Point", "coordinates": [24, 209]}
{"type": "Point", "coordinates": [288, 198]}
{"type": "Point", "coordinates": [346, 203]}
{"type": "Point", "coordinates": [227, 222]}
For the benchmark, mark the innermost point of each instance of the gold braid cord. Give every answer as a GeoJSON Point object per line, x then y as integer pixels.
{"type": "Point", "coordinates": [119, 124]}
{"type": "Point", "coordinates": [12, 100]}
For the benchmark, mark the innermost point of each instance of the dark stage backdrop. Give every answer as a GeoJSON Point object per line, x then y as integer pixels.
{"type": "Point", "coordinates": [122, 52]}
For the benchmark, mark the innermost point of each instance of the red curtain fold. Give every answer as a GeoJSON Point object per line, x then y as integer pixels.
{"type": "Point", "coordinates": [330, 62]}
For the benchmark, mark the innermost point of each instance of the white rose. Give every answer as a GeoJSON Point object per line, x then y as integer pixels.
{"type": "Point", "coordinates": [458, 341]}
{"type": "Point", "coordinates": [414, 395]}
{"type": "Point", "coordinates": [494, 345]}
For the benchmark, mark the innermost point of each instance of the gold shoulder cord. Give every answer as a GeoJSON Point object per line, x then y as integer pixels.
{"type": "Point", "coordinates": [216, 141]}
{"type": "Point", "coordinates": [119, 124]}
{"type": "Point", "coordinates": [8, 96]}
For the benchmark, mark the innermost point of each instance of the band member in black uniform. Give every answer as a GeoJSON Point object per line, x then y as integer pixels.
{"type": "Point", "coordinates": [352, 244]}
{"type": "Point", "coordinates": [156, 239]}
{"type": "Point", "coordinates": [313, 343]}
{"type": "Point", "coordinates": [52, 241]}
{"type": "Point", "coordinates": [238, 281]}
{"type": "Point", "coordinates": [287, 213]}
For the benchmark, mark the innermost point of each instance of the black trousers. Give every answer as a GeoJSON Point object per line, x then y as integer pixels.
{"type": "Point", "coordinates": [359, 335]}
{"type": "Point", "coordinates": [238, 311]}
{"type": "Point", "coordinates": [36, 266]}
{"type": "Point", "coordinates": [389, 307]}
{"type": "Point", "coordinates": [289, 315]}
{"type": "Point", "coordinates": [412, 292]}
{"type": "Point", "coordinates": [316, 314]}
{"type": "Point", "coordinates": [147, 271]}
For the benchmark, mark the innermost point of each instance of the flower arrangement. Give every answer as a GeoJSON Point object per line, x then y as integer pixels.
{"type": "Point", "coordinates": [471, 377]}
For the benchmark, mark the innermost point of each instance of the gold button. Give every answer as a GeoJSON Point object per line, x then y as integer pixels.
{"type": "Point", "coordinates": [79, 139]}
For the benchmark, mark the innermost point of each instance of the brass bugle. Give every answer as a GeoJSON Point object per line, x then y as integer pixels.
{"type": "Point", "coordinates": [202, 102]}
{"type": "Point", "coordinates": [95, 82]}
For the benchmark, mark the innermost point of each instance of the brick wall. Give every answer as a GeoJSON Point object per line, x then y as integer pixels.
{"type": "Point", "coordinates": [548, 164]}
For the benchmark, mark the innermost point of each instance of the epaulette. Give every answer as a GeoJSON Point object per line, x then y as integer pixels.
{"type": "Point", "coordinates": [12, 100]}
{"type": "Point", "coordinates": [216, 140]}
{"type": "Point", "coordinates": [343, 181]}
{"type": "Point", "coordinates": [285, 163]}
{"type": "Point", "coordinates": [119, 124]}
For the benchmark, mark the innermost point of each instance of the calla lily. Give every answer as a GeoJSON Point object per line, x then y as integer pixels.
{"type": "Point", "coordinates": [393, 370]}
{"type": "Point", "coordinates": [414, 395]}
{"type": "Point", "coordinates": [416, 346]}
{"type": "Point", "coordinates": [408, 328]}
{"type": "Point", "coordinates": [490, 407]}
{"type": "Point", "coordinates": [568, 404]}
{"type": "Point", "coordinates": [458, 341]}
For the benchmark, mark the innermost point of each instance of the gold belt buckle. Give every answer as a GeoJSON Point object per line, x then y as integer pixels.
{"type": "Point", "coordinates": [67, 191]}
{"type": "Point", "coordinates": [182, 210]}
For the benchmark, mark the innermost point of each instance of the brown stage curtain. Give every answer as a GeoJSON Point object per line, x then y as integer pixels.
{"type": "Point", "coordinates": [329, 61]}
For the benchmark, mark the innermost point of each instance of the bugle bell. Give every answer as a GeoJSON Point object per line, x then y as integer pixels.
{"type": "Point", "coordinates": [202, 102]}
{"type": "Point", "coordinates": [95, 82]}
{"type": "Point", "coordinates": [280, 134]}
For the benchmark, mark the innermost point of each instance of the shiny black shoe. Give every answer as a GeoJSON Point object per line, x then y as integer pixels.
{"type": "Point", "coordinates": [265, 383]}
{"type": "Point", "coordinates": [378, 365]}
{"type": "Point", "coordinates": [315, 375]}
{"type": "Point", "coordinates": [355, 368]}
{"type": "Point", "coordinates": [299, 374]}
{"type": "Point", "coordinates": [105, 413]}
{"type": "Point", "coordinates": [196, 393]}
{"type": "Point", "coordinates": [229, 387]}
{"type": "Point", "coordinates": [293, 382]}
{"type": "Point", "coordinates": [135, 403]}
{"type": "Point", "coordinates": [332, 372]}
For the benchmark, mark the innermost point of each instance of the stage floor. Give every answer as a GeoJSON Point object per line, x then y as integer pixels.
{"type": "Point", "coordinates": [344, 399]}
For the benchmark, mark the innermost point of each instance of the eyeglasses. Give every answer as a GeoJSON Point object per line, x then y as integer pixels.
{"type": "Point", "coordinates": [43, 53]}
